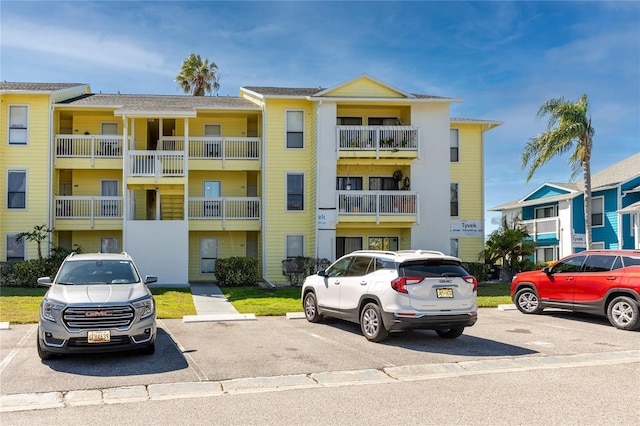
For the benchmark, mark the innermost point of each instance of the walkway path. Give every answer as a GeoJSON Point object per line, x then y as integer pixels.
{"type": "Point", "coordinates": [212, 305]}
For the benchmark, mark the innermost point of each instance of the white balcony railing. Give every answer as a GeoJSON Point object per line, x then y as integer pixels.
{"type": "Point", "coordinates": [536, 227]}
{"type": "Point", "coordinates": [378, 203]}
{"type": "Point", "coordinates": [156, 163]}
{"type": "Point", "coordinates": [74, 207]}
{"type": "Point", "coordinates": [378, 138]}
{"type": "Point", "coordinates": [89, 146]}
{"type": "Point", "coordinates": [214, 147]}
{"type": "Point", "coordinates": [224, 208]}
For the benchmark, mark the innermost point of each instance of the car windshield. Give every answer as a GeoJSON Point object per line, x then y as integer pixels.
{"type": "Point", "coordinates": [432, 268]}
{"type": "Point", "coordinates": [84, 272]}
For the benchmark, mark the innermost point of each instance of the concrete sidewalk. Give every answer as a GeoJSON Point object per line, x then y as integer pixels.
{"type": "Point", "coordinates": [211, 305]}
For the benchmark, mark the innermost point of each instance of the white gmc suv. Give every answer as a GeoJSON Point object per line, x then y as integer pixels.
{"type": "Point", "coordinates": [386, 291]}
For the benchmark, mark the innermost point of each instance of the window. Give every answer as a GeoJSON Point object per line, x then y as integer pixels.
{"type": "Point", "coordinates": [571, 264]}
{"type": "Point", "coordinates": [383, 121]}
{"type": "Point", "coordinates": [295, 191]}
{"type": "Point", "coordinates": [383, 184]}
{"type": "Point", "coordinates": [109, 129]}
{"type": "Point", "coordinates": [454, 200]}
{"type": "Point", "coordinates": [599, 263]}
{"type": "Point", "coordinates": [212, 130]}
{"type": "Point", "coordinates": [345, 245]}
{"type": "Point", "coordinates": [109, 245]}
{"type": "Point", "coordinates": [346, 183]}
{"type": "Point", "coordinates": [212, 190]}
{"type": "Point", "coordinates": [18, 124]}
{"type": "Point", "coordinates": [545, 254]}
{"type": "Point", "coordinates": [15, 248]}
{"type": "Point", "coordinates": [383, 243]}
{"type": "Point", "coordinates": [349, 121]}
{"type": "Point", "coordinates": [359, 266]}
{"type": "Point", "coordinates": [109, 208]}
{"type": "Point", "coordinates": [208, 255]}
{"type": "Point", "coordinates": [455, 247]}
{"type": "Point", "coordinates": [597, 211]}
{"type": "Point", "coordinates": [212, 148]}
{"type": "Point", "coordinates": [597, 245]}
{"type": "Point", "coordinates": [339, 268]}
{"type": "Point", "coordinates": [454, 138]}
{"type": "Point", "coordinates": [548, 211]}
{"type": "Point", "coordinates": [17, 189]}
{"type": "Point", "coordinates": [294, 246]}
{"type": "Point", "coordinates": [295, 129]}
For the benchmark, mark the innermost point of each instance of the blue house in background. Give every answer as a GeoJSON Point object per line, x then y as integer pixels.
{"type": "Point", "coordinates": [554, 212]}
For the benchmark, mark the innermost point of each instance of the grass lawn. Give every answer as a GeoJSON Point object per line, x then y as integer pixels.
{"type": "Point", "coordinates": [20, 305]}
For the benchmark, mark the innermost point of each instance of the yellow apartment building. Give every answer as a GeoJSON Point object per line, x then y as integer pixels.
{"type": "Point", "coordinates": [274, 173]}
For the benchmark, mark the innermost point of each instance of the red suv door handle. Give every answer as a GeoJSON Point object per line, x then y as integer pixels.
{"type": "Point", "coordinates": [569, 279]}
{"type": "Point", "coordinates": [611, 278]}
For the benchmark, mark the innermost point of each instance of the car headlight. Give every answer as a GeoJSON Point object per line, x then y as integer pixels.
{"type": "Point", "coordinates": [144, 307]}
{"type": "Point", "coordinates": [51, 309]}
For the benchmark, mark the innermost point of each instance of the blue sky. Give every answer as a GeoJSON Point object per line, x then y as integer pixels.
{"type": "Point", "coordinates": [504, 59]}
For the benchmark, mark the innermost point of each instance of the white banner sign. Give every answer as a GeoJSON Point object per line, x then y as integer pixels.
{"type": "Point", "coordinates": [326, 219]}
{"type": "Point", "coordinates": [579, 240]}
{"type": "Point", "coordinates": [466, 228]}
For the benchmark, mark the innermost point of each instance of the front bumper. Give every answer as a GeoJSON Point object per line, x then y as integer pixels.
{"type": "Point", "coordinates": [55, 338]}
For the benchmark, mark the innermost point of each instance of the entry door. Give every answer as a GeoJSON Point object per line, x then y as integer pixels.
{"type": "Point", "coordinates": [208, 255]}
{"type": "Point", "coordinates": [212, 208]}
{"type": "Point", "coordinates": [109, 208]}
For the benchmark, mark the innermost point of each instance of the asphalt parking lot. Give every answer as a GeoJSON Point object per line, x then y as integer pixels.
{"type": "Point", "coordinates": [277, 346]}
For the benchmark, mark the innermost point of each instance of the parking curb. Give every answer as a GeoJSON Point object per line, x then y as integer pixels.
{"type": "Point", "coordinates": [218, 318]}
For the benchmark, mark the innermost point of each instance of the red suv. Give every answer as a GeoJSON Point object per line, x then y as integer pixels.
{"type": "Point", "coordinates": [603, 282]}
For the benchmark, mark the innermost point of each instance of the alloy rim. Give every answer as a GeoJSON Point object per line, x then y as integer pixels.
{"type": "Point", "coordinates": [622, 313]}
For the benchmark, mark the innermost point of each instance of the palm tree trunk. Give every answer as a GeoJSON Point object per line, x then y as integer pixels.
{"type": "Point", "coordinates": [586, 168]}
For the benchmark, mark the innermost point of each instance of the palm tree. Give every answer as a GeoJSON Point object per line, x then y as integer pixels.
{"type": "Point", "coordinates": [509, 245]}
{"type": "Point", "coordinates": [568, 128]}
{"type": "Point", "coordinates": [197, 77]}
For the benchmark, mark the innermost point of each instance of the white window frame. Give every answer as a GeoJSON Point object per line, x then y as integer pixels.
{"type": "Point", "coordinates": [12, 237]}
{"type": "Point", "coordinates": [555, 253]}
{"type": "Point", "coordinates": [383, 237]}
{"type": "Point", "coordinates": [287, 252]}
{"type": "Point", "coordinates": [286, 129]}
{"type": "Point", "coordinates": [555, 211]}
{"type": "Point", "coordinates": [286, 184]}
{"type": "Point", "coordinates": [107, 244]}
{"type": "Point", "coordinates": [202, 259]}
{"type": "Point", "coordinates": [593, 201]}
{"type": "Point", "coordinates": [204, 130]}
{"type": "Point", "coordinates": [457, 185]}
{"type": "Point", "coordinates": [26, 189]}
{"type": "Point", "coordinates": [457, 144]}
{"type": "Point", "coordinates": [597, 245]}
{"type": "Point", "coordinates": [10, 126]}
{"type": "Point", "coordinates": [110, 123]}
{"type": "Point", "coordinates": [454, 247]}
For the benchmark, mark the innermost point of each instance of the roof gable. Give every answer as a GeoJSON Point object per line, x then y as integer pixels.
{"type": "Point", "coordinates": [544, 191]}
{"type": "Point", "coordinates": [364, 87]}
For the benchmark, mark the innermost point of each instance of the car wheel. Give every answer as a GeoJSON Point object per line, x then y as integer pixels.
{"type": "Point", "coordinates": [623, 313]}
{"type": "Point", "coordinates": [43, 354]}
{"type": "Point", "coordinates": [311, 308]}
{"type": "Point", "coordinates": [450, 333]}
{"type": "Point", "coordinates": [527, 301]}
{"type": "Point", "coordinates": [371, 323]}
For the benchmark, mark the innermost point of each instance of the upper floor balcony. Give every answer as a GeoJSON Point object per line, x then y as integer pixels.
{"type": "Point", "coordinates": [369, 206]}
{"type": "Point", "coordinates": [548, 227]}
{"type": "Point", "coordinates": [378, 141]}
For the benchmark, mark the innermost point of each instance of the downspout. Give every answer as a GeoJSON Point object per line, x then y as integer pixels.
{"type": "Point", "coordinates": [50, 191]}
{"type": "Point", "coordinates": [125, 166]}
{"type": "Point", "coordinates": [263, 206]}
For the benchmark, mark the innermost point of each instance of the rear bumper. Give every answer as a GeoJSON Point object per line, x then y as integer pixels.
{"type": "Point", "coordinates": [394, 322]}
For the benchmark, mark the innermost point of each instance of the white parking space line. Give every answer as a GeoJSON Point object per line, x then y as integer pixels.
{"type": "Point", "coordinates": [333, 342]}
{"type": "Point", "coordinates": [5, 362]}
{"type": "Point", "coordinates": [193, 365]}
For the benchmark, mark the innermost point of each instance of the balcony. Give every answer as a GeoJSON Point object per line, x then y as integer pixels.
{"type": "Point", "coordinates": [86, 211]}
{"type": "Point", "coordinates": [395, 206]}
{"type": "Point", "coordinates": [156, 164]}
{"type": "Point", "coordinates": [547, 228]}
{"type": "Point", "coordinates": [215, 148]}
{"type": "Point", "coordinates": [89, 147]}
{"type": "Point", "coordinates": [378, 141]}
{"type": "Point", "coordinates": [228, 213]}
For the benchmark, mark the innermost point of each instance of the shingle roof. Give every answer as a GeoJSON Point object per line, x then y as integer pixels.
{"type": "Point", "coordinates": [305, 91]}
{"type": "Point", "coordinates": [36, 87]}
{"type": "Point", "coordinates": [160, 102]}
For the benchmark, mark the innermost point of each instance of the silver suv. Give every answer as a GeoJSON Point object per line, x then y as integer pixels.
{"type": "Point", "coordinates": [97, 303]}
{"type": "Point", "coordinates": [386, 291]}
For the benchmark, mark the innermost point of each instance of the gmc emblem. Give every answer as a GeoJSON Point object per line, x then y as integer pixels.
{"type": "Point", "coordinates": [92, 314]}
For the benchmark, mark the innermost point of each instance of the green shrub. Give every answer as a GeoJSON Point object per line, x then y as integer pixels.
{"type": "Point", "coordinates": [26, 273]}
{"type": "Point", "coordinates": [478, 270]}
{"type": "Point", "coordinates": [6, 274]}
{"type": "Point", "coordinates": [297, 269]}
{"type": "Point", "coordinates": [237, 271]}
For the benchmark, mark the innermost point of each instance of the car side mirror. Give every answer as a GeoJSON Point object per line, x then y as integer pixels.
{"type": "Point", "coordinates": [150, 279]}
{"type": "Point", "coordinates": [547, 271]}
{"type": "Point", "coordinates": [322, 273]}
{"type": "Point", "coordinates": [44, 281]}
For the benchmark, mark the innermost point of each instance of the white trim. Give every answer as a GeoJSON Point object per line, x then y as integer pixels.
{"type": "Point", "coordinates": [286, 245]}
{"type": "Point", "coordinates": [457, 129]}
{"type": "Point", "coordinates": [601, 198]}
{"type": "Point", "coordinates": [204, 129]}
{"type": "Point", "coordinates": [286, 191]}
{"type": "Point", "coordinates": [117, 133]}
{"type": "Point", "coordinates": [458, 191]}
{"type": "Point", "coordinates": [13, 236]}
{"type": "Point", "coordinates": [208, 274]}
{"type": "Point", "coordinates": [26, 190]}
{"type": "Point", "coordinates": [286, 129]}
{"type": "Point", "coordinates": [597, 245]}
{"type": "Point", "coordinates": [9, 125]}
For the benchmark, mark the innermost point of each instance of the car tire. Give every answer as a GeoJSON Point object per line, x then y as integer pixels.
{"type": "Point", "coordinates": [371, 323]}
{"type": "Point", "coordinates": [43, 354]}
{"type": "Point", "coordinates": [450, 333]}
{"type": "Point", "coordinates": [623, 313]}
{"type": "Point", "coordinates": [527, 301]}
{"type": "Point", "coordinates": [311, 308]}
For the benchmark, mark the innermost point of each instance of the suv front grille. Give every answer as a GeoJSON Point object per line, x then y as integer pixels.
{"type": "Point", "coordinates": [86, 318]}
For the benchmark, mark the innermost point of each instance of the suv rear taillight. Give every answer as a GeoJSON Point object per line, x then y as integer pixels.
{"type": "Point", "coordinates": [472, 280]}
{"type": "Point", "coordinates": [400, 283]}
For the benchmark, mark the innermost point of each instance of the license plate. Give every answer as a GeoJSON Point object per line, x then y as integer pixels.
{"type": "Point", "coordinates": [103, 336]}
{"type": "Point", "coordinates": [444, 292]}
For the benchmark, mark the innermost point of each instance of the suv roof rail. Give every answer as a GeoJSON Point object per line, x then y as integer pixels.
{"type": "Point", "coordinates": [422, 252]}
{"type": "Point", "coordinates": [388, 252]}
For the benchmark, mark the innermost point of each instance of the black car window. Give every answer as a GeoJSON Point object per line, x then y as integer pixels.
{"type": "Point", "coordinates": [599, 263]}
{"type": "Point", "coordinates": [339, 268]}
{"type": "Point", "coordinates": [571, 264]}
{"type": "Point", "coordinates": [617, 264]}
{"type": "Point", "coordinates": [432, 268]}
{"type": "Point", "coordinates": [359, 266]}
{"type": "Point", "coordinates": [631, 261]}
